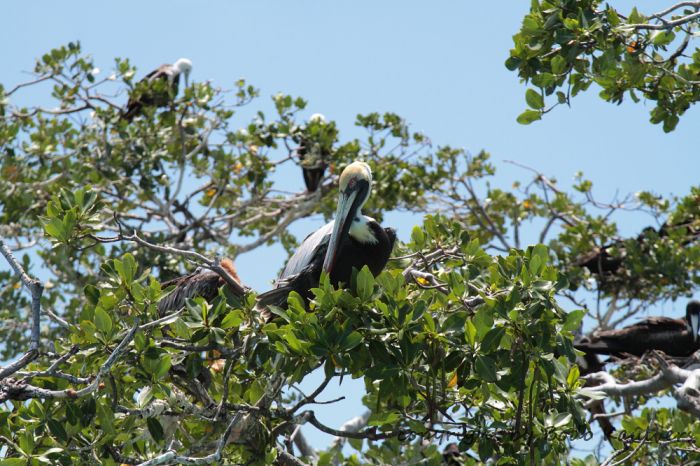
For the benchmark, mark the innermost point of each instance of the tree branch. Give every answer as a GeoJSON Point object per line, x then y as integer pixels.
{"type": "Point", "coordinates": [35, 289]}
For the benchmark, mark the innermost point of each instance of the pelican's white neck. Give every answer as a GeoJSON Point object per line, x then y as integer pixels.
{"type": "Point", "coordinates": [360, 229]}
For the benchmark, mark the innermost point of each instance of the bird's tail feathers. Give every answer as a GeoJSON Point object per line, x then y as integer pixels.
{"type": "Point", "coordinates": [596, 347]}
{"type": "Point", "coordinates": [276, 297]}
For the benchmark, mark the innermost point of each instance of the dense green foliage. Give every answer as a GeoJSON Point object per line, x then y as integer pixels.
{"type": "Point", "coordinates": [463, 338]}
{"type": "Point", "coordinates": [564, 46]}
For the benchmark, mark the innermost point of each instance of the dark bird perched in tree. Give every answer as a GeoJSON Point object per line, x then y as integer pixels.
{"type": "Point", "coordinates": [349, 242]}
{"type": "Point", "coordinates": [589, 363]}
{"type": "Point", "coordinates": [607, 260]}
{"type": "Point", "coordinates": [158, 89]}
{"type": "Point", "coordinates": [675, 337]}
{"type": "Point", "coordinates": [315, 146]}
{"type": "Point", "coordinates": [205, 283]}
{"type": "Point", "coordinates": [202, 282]}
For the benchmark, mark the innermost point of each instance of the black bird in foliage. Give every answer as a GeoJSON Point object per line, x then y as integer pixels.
{"type": "Point", "coordinates": [158, 88]}
{"type": "Point", "coordinates": [607, 260]}
{"type": "Point", "coordinates": [675, 337]}
{"type": "Point", "coordinates": [315, 147]}
{"type": "Point", "coordinates": [349, 242]}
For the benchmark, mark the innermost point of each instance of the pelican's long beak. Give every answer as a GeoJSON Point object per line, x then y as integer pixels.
{"type": "Point", "coordinates": [694, 325]}
{"type": "Point", "coordinates": [187, 80]}
{"type": "Point", "coordinates": [343, 219]}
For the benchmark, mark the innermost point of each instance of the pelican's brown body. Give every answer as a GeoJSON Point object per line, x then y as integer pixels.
{"type": "Point", "coordinates": [201, 282]}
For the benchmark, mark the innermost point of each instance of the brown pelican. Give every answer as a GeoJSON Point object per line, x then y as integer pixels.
{"type": "Point", "coordinates": [349, 242]}
{"type": "Point", "coordinates": [201, 282]}
{"type": "Point", "coordinates": [149, 93]}
{"type": "Point", "coordinates": [675, 337]}
{"type": "Point", "coordinates": [205, 283]}
{"type": "Point", "coordinates": [313, 153]}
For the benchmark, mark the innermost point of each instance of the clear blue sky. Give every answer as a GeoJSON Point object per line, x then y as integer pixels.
{"type": "Point", "coordinates": [438, 64]}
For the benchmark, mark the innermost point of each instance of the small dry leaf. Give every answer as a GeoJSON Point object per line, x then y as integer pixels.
{"type": "Point", "coordinates": [453, 381]}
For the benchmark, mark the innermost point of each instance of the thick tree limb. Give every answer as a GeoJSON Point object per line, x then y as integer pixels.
{"type": "Point", "coordinates": [669, 375]}
{"type": "Point", "coordinates": [35, 289]}
{"type": "Point", "coordinates": [351, 426]}
{"type": "Point", "coordinates": [19, 390]}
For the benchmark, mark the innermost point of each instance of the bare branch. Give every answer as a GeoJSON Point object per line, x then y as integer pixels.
{"type": "Point", "coordinates": [664, 24]}
{"type": "Point", "coordinates": [35, 289]}
{"type": "Point", "coordinates": [353, 425]}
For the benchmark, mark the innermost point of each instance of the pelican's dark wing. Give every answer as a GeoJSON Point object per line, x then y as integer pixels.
{"type": "Point", "coordinates": [301, 282]}
{"type": "Point", "coordinates": [301, 273]}
{"type": "Point", "coordinates": [309, 248]}
{"type": "Point", "coordinates": [202, 282]}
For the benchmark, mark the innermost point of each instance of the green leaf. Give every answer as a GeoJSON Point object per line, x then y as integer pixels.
{"type": "Point", "coordinates": [14, 462]}
{"type": "Point", "coordinates": [163, 367]}
{"type": "Point", "coordinates": [528, 116]}
{"type": "Point", "coordinates": [469, 332]}
{"type": "Point", "coordinates": [558, 64]}
{"type": "Point", "coordinates": [102, 321]}
{"type": "Point", "coordinates": [155, 429]}
{"type": "Point", "coordinates": [382, 418]}
{"type": "Point", "coordinates": [483, 321]}
{"type": "Point", "coordinates": [574, 374]}
{"type": "Point", "coordinates": [535, 264]}
{"type": "Point", "coordinates": [55, 229]}
{"type": "Point", "coordinates": [534, 99]}
{"type": "Point", "coordinates": [486, 368]}
{"type": "Point", "coordinates": [365, 284]}
{"type": "Point", "coordinates": [293, 342]}
{"type": "Point", "coordinates": [69, 222]}
{"type": "Point", "coordinates": [429, 322]}
{"type": "Point", "coordinates": [541, 251]}
{"type": "Point", "coordinates": [558, 420]}
{"type": "Point", "coordinates": [418, 237]}
{"type": "Point", "coordinates": [531, 25]}
{"type": "Point", "coordinates": [351, 340]}
{"type": "Point", "coordinates": [573, 320]}
{"type": "Point", "coordinates": [92, 293]}
{"type": "Point", "coordinates": [232, 319]}
{"type": "Point", "coordinates": [57, 430]}
{"type": "Point", "coordinates": [492, 339]}
{"type": "Point", "coordinates": [356, 443]}
{"type": "Point", "coordinates": [129, 268]}
{"type": "Point", "coordinates": [661, 38]}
